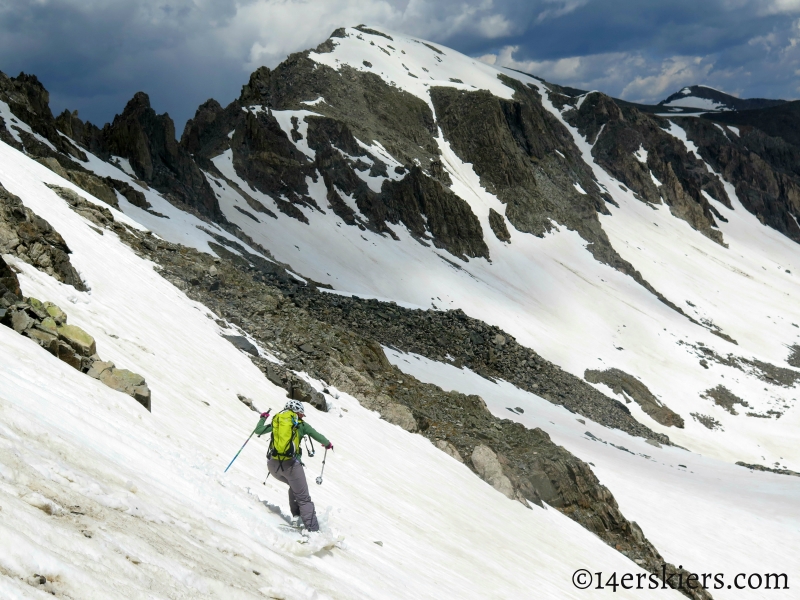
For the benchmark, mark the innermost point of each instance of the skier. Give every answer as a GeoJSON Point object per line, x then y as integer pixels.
{"type": "Point", "coordinates": [288, 428]}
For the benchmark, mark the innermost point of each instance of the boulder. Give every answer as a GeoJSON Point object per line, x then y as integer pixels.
{"type": "Point", "coordinates": [400, 415]}
{"type": "Point", "coordinates": [127, 382]}
{"type": "Point", "coordinates": [20, 321]}
{"type": "Point", "coordinates": [46, 340]}
{"type": "Point", "coordinates": [8, 280]}
{"type": "Point", "coordinates": [247, 402]}
{"type": "Point", "coordinates": [242, 343]}
{"type": "Point", "coordinates": [491, 471]}
{"type": "Point", "coordinates": [300, 389]}
{"type": "Point", "coordinates": [99, 367]}
{"type": "Point", "coordinates": [449, 449]}
{"type": "Point", "coordinates": [278, 377]}
{"type": "Point", "coordinates": [121, 380]}
{"type": "Point", "coordinates": [67, 354]}
{"type": "Point", "coordinates": [36, 309]}
{"type": "Point", "coordinates": [48, 325]}
{"type": "Point", "coordinates": [58, 315]}
{"type": "Point", "coordinates": [76, 337]}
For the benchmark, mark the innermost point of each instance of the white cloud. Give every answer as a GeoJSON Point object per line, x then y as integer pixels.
{"type": "Point", "coordinates": [777, 7]}
{"type": "Point", "coordinates": [495, 26]}
{"type": "Point", "coordinates": [263, 32]}
{"type": "Point", "coordinates": [672, 74]}
{"type": "Point", "coordinates": [564, 7]}
{"type": "Point", "coordinates": [595, 71]}
{"type": "Point", "coordinates": [628, 75]}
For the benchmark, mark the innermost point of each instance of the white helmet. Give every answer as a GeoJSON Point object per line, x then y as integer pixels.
{"type": "Point", "coordinates": [295, 406]}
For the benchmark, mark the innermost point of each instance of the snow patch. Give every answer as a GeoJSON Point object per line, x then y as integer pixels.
{"type": "Point", "coordinates": [695, 102]}
{"type": "Point", "coordinates": [655, 181]}
{"type": "Point", "coordinates": [672, 494]}
{"type": "Point", "coordinates": [124, 164]}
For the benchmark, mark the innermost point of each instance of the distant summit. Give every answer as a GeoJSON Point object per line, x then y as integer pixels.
{"type": "Point", "coordinates": [701, 97]}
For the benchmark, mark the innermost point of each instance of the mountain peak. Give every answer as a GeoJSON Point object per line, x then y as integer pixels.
{"type": "Point", "coordinates": [706, 98]}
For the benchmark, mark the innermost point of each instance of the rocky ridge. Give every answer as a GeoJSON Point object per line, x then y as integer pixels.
{"type": "Point", "coordinates": [632, 145]}
{"type": "Point", "coordinates": [765, 170]}
{"type": "Point", "coordinates": [147, 141]}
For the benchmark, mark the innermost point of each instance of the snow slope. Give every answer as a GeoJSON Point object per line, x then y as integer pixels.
{"type": "Point", "coordinates": [550, 293]}
{"type": "Point", "coordinates": [109, 501]}
{"type": "Point", "coordinates": [708, 515]}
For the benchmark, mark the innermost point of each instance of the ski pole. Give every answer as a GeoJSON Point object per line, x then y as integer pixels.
{"type": "Point", "coordinates": [242, 448]}
{"type": "Point", "coordinates": [324, 456]}
{"type": "Point", "coordinates": [310, 450]}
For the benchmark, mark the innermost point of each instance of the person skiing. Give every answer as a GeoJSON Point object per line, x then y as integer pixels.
{"type": "Point", "coordinates": [288, 428]}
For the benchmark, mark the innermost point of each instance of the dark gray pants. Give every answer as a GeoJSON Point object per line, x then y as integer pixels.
{"type": "Point", "coordinates": [291, 472]}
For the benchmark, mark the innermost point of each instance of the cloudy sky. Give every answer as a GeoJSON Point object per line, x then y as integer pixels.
{"type": "Point", "coordinates": [93, 55]}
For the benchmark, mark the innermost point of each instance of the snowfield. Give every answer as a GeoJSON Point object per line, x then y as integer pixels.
{"type": "Point", "coordinates": [706, 514]}
{"type": "Point", "coordinates": [106, 500]}
{"type": "Point", "coordinates": [109, 501]}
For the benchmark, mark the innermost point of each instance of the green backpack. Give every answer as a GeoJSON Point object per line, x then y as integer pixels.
{"type": "Point", "coordinates": [285, 441]}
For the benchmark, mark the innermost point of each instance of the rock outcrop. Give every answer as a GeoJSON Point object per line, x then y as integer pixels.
{"type": "Point", "coordinates": [43, 322]}
{"type": "Point", "coordinates": [29, 101]}
{"type": "Point", "coordinates": [46, 324]}
{"type": "Point", "coordinates": [489, 468]}
{"type": "Point", "coordinates": [723, 397]}
{"type": "Point", "coordinates": [34, 241]}
{"type": "Point", "coordinates": [265, 156]}
{"type": "Point", "coordinates": [127, 382]}
{"type": "Point", "coordinates": [632, 145]}
{"type": "Point", "coordinates": [765, 170]}
{"type": "Point", "coordinates": [630, 387]}
{"type": "Point", "coordinates": [148, 141]}
{"type": "Point", "coordinates": [9, 284]}
{"type": "Point", "coordinates": [535, 182]}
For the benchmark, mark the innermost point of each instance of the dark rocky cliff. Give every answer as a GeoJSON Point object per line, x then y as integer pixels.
{"type": "Point", "coordinates": [148, 141]}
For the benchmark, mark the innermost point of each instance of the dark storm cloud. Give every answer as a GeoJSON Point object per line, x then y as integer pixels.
{"type": "Point", "coordinates": [95, 54]}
